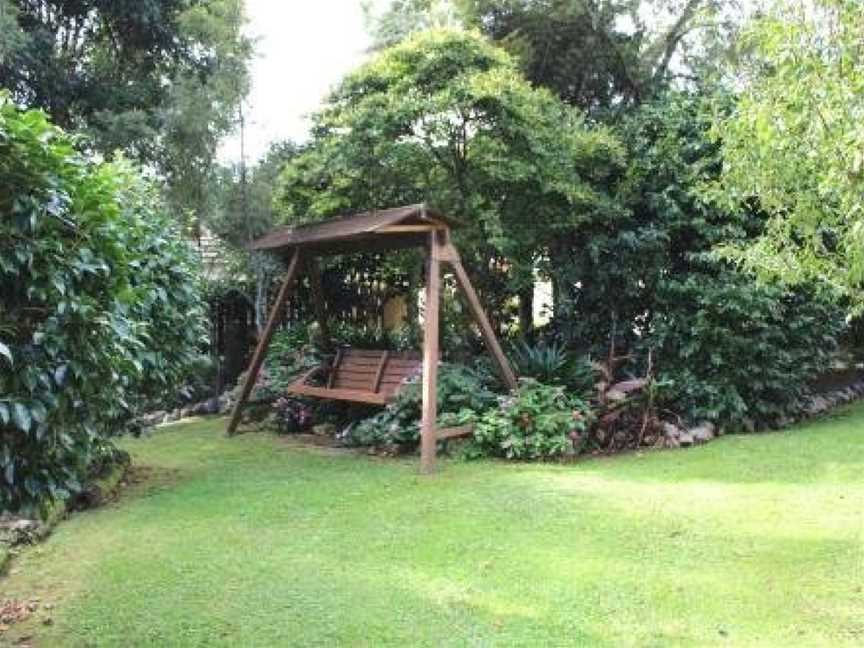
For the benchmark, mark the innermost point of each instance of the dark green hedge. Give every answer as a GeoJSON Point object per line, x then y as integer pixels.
{"type": "Point", "coordinates": [99, 306]}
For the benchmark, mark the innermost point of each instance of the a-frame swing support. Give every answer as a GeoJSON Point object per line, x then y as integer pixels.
{"type": "Point", "coordinates": [421, 229]}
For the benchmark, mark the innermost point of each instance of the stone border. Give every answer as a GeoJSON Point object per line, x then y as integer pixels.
{"type": "Point", "coordinates": [815, 406]}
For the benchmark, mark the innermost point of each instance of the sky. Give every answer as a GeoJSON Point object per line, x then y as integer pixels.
{"type": "Point", "coordinates": [304, 47]}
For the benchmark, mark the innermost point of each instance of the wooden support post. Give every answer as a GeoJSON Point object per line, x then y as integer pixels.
{"type": "Point", "coordinates": [264, 342]}
{"type": "Point", "coordinates": [501, 363]}
{"type": "Point", "coordinates": [429, 422]}
{"type": "Point", "coordinates": [314, 271]}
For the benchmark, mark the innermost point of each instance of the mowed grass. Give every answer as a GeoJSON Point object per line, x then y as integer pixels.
{"type": "Point", "coordinates": [254, 541]}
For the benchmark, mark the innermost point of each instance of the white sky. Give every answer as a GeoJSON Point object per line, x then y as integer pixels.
{"type": "Point", "coordinates": [304, 48]}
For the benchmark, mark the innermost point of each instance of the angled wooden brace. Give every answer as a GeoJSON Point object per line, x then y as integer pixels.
{"type": "Point", "coordinates": [264, 342]}
{"type": "Point", "coordinates": [450, 255]}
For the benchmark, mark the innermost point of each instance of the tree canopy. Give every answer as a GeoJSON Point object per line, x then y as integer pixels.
{"type": "Point", "coordinates": [158, 79]}
{"type": "Point", "coordinates": [599, 56]}
{"type": "Point", "coordinates": [446, 117]}
{"type": "Point", "coordinates": [793, 145]}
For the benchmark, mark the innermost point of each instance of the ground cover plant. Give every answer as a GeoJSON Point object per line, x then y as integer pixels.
{"type": "Point", "coordinates": [751, 540]}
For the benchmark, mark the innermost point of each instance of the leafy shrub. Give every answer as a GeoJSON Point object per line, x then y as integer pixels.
{"type": "Point", "coordinates": [99, 307]}
{"type": "Point", "coordinates": [552, 364]}
{"type": "Point", "coordinates": [290, 354]}
{"type": "Point", "coordinates": [545, 362]}
{"type": "Point", "coordinates": [537, 422]}
{"type": "Point", "coordinates": [292, 415]}
{"type": "Point", "coordinates": [462, 397]}
{"type": "Point", "coordinates": [734, 349]}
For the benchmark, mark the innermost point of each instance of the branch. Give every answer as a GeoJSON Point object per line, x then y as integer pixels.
{"type": "Point", "coordinates": [673, 38]}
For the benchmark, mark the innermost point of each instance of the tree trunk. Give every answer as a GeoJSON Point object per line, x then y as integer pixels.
{"type": "Point", "coordinates": [526, 313]}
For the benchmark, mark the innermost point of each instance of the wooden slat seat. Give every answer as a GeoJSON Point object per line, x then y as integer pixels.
{"type": "Point", "coordinates": [360, 376]}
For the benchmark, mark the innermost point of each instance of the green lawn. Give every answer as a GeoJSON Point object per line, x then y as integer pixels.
{"type": "Point", "coordinates": [254, 541]}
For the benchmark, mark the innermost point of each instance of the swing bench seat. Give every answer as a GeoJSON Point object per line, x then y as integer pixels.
{"type": "Point", "coordinates": [359, 376]}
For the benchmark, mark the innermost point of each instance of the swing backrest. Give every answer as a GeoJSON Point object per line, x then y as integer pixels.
{"type": "Point", "coordinates": [361, 376]}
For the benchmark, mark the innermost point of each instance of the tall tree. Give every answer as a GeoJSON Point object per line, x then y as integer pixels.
{"type": "Point", "coordinates": [157, 79]}
{"type": "Point", "coordinates": [244, 208]}
{"type": "Point", "coordinates": [446, 117]}
{"type": "Point", "coordinates": [595, 54]}
{"type": "Point", "coordinates": [794, 143]}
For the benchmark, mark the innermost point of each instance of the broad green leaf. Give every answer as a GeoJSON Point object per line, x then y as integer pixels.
{"type": "Point", "coordinates": [6, 352]}
{"type": "Point", "coordinates": [21, 417]}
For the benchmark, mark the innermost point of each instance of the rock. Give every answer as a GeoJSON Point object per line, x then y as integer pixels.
{"type": "Point", "coordinates": [207, 407]}
{"type": "Point", "coordinates": [685, 439]}
{"type": "Point", "coordinates": [18, 531]}
{"type": "Point", "coordinates": [186, 411]}
{"type": "Point", "coordinates": [324, 429]}
{"type": "Point", "coordinates": [224, 403]}
{"type": "Point", "coordinates": [671, 430]}
{"type": "Point", "coordinates": [153, 419]}
{"type": "Point", "coordinates": [702, 433]}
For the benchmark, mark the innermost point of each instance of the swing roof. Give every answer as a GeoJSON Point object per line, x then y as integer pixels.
{"type": "Point", "coordinates": [376, 230]}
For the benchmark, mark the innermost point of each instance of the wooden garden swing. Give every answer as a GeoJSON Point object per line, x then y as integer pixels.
{"type": "Point", "coordinates": [374, 376]}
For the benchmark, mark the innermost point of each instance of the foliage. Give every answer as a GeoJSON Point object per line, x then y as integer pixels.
{"type": "Point", "coordinates": [551, 363]}
{"type": "Point", "coordinates": [99, 307]}
{"type": "Point", "coordinates": [735, 349]}
{"type": "Point", "coordinates": [537, 422]}
{"type": "Point", "coordinates": [603, 57]}
{"type": "Point", "coordinates": [244, 207]}
{"type": "Point", "coordinates": [445, 117]}
{"type": "Point", "coordinates": [794, 144]}
{"type": "Point", "coordinates": [606, 273]}
{"type": "Point", "coordinates": [292, 352]}
{"type": "Point", "coordinates": [400, 18]}
{"type": "Point", "coordinates": [545, 362]}
{"type": "Point", "coordinates": [292, 415]}
{"type": "Point", "coordinates": [157, 79]}
{"type": "Point", "coordinates": [645, 282]}
{"type": "Point", "coordinates": [462, 397]}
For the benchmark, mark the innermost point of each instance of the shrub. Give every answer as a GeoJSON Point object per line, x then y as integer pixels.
{"type": "Point", "coordinates": [734, 349]}
{"type": "Point", "coordinates": [290, 354]}
{"type": "Point", "coordinates": [537, 422]}
{"type": "Point", "coordinates": [462, 396]}
{"type": "Point", "coordinates": [545, 362]}
{"type": "Point", "coordinates": [552, 364]}
{"type": "Point", "coordinates": [292, 415]}
{"type": "Point", "coordinates": [99, 307]}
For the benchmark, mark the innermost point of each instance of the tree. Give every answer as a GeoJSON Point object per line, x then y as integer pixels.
{"type": "Point", "coordinates": [794, 144]}
{"type": "Point", "coordinates": [594, 54]}
{"type": "Point", "coordinates": [401, 18]}
{"type": "Point", "coordinates": [157, 79]}
{"type": "Point", "coordinates": [203, 109]}
{"type": "Point", "coordinates": [445, 117]}
{"type": "Point", "coordinates": [11, 36]}
{"type": "Point", "coordinates": [245, 209]}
